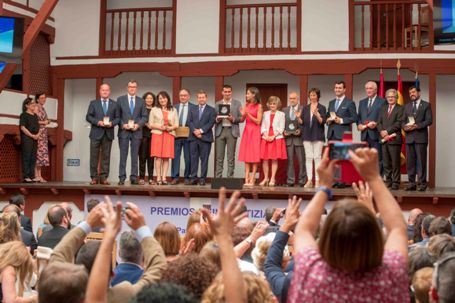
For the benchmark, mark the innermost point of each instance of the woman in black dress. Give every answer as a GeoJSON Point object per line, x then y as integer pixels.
{"type": "Point", "coordinates": [144, 148]}
{"type": "Point", "coordinates": [29, 139]}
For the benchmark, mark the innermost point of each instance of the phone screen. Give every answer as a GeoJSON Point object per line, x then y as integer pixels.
{"type": "Point", "coordinates": [339, 150]}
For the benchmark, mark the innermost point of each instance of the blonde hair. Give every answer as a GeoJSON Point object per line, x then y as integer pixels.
{"type": "Point", "coordinates": [16, 255]}
{"type": "Point", "coordinates": [258, 290]}
{"type": "Point", "coordinates": [274, 99]}
{"type": "Point", "coordinates": [421, 282]}
{"type": "Point", "coordinates": [9, 227]}
{"type": "Point", "coordinates": [259, 253]}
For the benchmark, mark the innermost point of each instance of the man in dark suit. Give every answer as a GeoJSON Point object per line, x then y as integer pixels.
{"type": "Point", "coordinates": [103, 115]}
{"type": "Point", "coordinates": [183, 109]}
{"type": "Point", "coordinates": [19, 201]}
{"type": "Point", "coordinates": [389, 127]}
{"type": "Point", "coordinates": [27, 237]}
{"type": "Point", "coordinates": [417, 139]}
{"type": "Point", "coordinates": [340, 114]}
{"type": "Point", "coordinates": [368, 118]}
{"type": "Point", "coordinates": [201, 121]}
{"type": "Point", "coordinates": [294, 142]}
{"type": "Point", "coordinates": [133, 116]}
{"type": "Point", "coordinates": [226, 133]}
{"type": "Point", "coordinates": [59, 220]}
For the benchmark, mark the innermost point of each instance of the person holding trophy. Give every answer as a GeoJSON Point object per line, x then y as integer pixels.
{"type": "Point", "coordinates": [273, 147]}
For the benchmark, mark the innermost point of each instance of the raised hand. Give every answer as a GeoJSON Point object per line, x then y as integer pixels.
{"type": "Point", "coordinates": [326, 170]}
{"type": "Point", "coordinates": [112, 218]}
{"type": "Point", "coordinates": [133, 216]}
{"type": "Point", "coordinates": [364, 194]}
{"type": "Point", "coordinates": [94, 218]}
{"type": "Point", "coordinates": [365, 161]}
{"type": "Point", "coordinates": [292, 214]}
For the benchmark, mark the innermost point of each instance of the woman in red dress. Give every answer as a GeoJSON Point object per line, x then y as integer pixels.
{"type": "Point", "coordinates": [163, 121]}
{"type": "Point", "coordinates": [273, 146]}
{"type": "Point", "coordinates": [250, 144]}
{"type": "Point", "coordinates": [42, 154]}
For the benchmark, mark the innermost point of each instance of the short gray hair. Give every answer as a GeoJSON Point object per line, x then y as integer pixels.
{"type": "Point", "coordinates": [392, 90]}
{"type": "Point", "coordinates": [130, 248]}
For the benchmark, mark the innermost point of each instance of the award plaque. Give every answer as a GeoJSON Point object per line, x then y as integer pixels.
{"type": "Point", "coordinates": [224, 110]}
{"type": "Point", "coordinates": [106, 120]}
{"type": "Point", "coordinates": [411, 120]}
{"type": "Point", "coordinates": [130, 124]}
{"type": "Point", "coordinates": [333, 115]}
{"type": "Point", "coordinates": [291, 127]}
{"type": "Point", "coordinates": [182, 132]}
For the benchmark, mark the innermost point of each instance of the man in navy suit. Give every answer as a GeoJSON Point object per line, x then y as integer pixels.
{"type": "Point", "coordinates": [201, 121]}
{"type": "Point", "coordinates": [133, 116]}
{"type": "Point", "coordinates": [417, 139]}
{"type": "Point", "coordinates": [103, 116]}
{"type": "Point", "coordinates": [368, 118]}
{"type": "Point", "coordinates": [183, 109]}
{"type": "Point", "coordinates": [340, 114]}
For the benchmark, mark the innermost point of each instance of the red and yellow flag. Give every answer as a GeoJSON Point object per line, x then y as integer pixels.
{"type": "Point", "coordinates": [381, 84]}
{"type": "Point", "coordinates": [400, 101]}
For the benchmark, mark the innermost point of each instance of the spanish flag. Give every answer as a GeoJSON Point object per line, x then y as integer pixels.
{"type": "Point", "coordinates": [400, 101]}
{"type": "Point", "coordinates": [381, 84]}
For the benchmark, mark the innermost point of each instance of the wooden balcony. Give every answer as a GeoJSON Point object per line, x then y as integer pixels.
{"type": "Point", "coordinates": [390, 26]}
{"type": "Point", "coordinates": [265, 28]}
{"type": "Point", "coordinates": [137, 32]}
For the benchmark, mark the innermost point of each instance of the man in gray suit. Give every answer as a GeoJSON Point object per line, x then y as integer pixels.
{"type": "Point", "coordinates": [226, 132]}
{"type": "Point", "coordinates": [103, 116]}
{"type": "Point", "coordinates": [133, 116]}
{"type": "Point", "coordinates": [294, 142]}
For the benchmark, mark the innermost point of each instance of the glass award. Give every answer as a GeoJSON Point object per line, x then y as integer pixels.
{"type": "Point", "coordinates": [130, 124]}
{"type": "Point", "coordinates": [224, 110]}
{"type": "Point", "coordinates": [333, 115]}
{"type": "Point", "coordinates": [106, 120]}
{"type": "Point", "coordinates": [411, 120]}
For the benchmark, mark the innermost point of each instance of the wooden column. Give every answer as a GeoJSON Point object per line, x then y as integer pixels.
{"type": "Point", "coordinates": [99, 81]}
{"type": "Point", "coordinates": [432, 136]}
{"type": "Point", "coordinates": [26, 72]}
{"type": "Point", "coordinates": [303, 84]}
{"type": "Point", "coordinates": [102, 47]}
{"type": "Point", "coordinates": [176, 85]}
{"type": "Point", "coordinates": [348, 79]}
{"type": "Point", "coordinates": [219, 82]}
{"type": "Point", "coordinates": [8, 71]}
{"type": "Point", "coordinates": [1, 7]}
{"type": "Point", "coordinates": [60, 129]}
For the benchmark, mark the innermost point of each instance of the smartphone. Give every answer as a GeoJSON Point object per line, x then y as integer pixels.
{"type": "Point", "coordinates": [207, 206]}
{"type": "Point", "coordinates": [340, 150]}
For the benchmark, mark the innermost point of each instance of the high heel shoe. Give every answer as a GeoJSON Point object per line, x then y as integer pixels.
{"type": "Point", "coordinates": [272, 183]}
{"type": "Point", "coordinates": [264, 182]}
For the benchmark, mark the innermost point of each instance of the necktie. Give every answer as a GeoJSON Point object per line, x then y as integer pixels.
{"type": "Point", "coordinates": [105, 107]}
{"type": "Point", "coordinates": [132, 105]}
{"type": "Point", "coordinates": [201, 109]}
{"type": "Point", "coordinates": [182, 112]}
{"type": "Point", "coordinates": [370, 101]}
{"type": "Point", "coordinates": [337, 104]}
{"type": "Point", "coordinates": [414, 108]}
{"type": "Point", "coordinates": [390, 110]}
{"type": "Point", "coordinates": [292, 113]}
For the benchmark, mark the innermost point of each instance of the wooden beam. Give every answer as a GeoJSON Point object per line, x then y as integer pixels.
{"type": "Point", "coordinates": [219, 82]}
{"type": "Point", "coordinates": [303, 84]}
{"type": "Point", "coordinates": [60, 129]}
{"type": "Point", "coordinates": [1, 7]}
{"type": "Point", "coordinates": [176, 85]}
{"type": "Point", "coordinates": [349, 83]}
{"type": "Point", "coordinates": [7, 73]}
{"type": "Point", "coordinates": [37, 23]}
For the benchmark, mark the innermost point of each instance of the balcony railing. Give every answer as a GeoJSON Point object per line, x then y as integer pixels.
{"type": "Point", "coordinates": [261, 28]}
{"type": "Point", "coordinates": [400, 25]}
{"type": "Point", "coordinates": [138, 32]}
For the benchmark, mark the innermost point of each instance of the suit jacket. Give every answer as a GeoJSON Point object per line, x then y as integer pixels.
{"type": "Point", "coordinates": [190, 107]}
{"type": "Point", "coordinates": [29, 240]}
{"type": "Point", "coordinates": [312, 129]}
{"type": "Point", "coordinates": [391, 124]}
{"type": "Point", "coordinates": [156, 118]}
{"type": "Point", "coordinates": [26, 223]}
{"type": "Point", "coordinates": [154, 264]}
{"type": "Point", "coordinates": [52, 237]}
{"type": "Point", "coordinates": [296, 139]}
{"type": "Point", "coordinates": [95, 113]}
{"type": "Point", "coordinates": [139, 116]}
{"type": "Point", "coordinates": [206, 123]}
{"type": "Point", "coordinates": [277, 125]}
{"type": "Point", "coordinates": [372, 115]}
{"type": "Point", "coordinates": [423, 119]}
{"type": "Point", "coordinates": [235, 112]}
{"type": "Point", "coordinates": [347, 112]}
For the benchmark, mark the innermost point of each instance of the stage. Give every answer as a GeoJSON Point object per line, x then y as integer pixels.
{"type": "Point", "coordinates": [435, 200]}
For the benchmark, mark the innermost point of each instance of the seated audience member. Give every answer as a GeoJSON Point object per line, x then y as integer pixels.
{"type": "Point", "coordinates": [164, 292]}
{"type": "Point", "coordinates": [440, 225]}
{"type": "Point", "coordinates": [86, 254]}
{"type": "Point", "coordinates": [418, 228]}
{"type": "Point", "coordinates": [192, 272]}
{"type": "Point", "coordinates": [421, 284]}
{"type": "Point", "coordinates": [62, 282]}
{"type": "Point", "coordinates": [258, 291]}
{"type": "Point", "coordinates": [91, 204]}
{"type": "Point", "coordinates": [168, 237]}
{"type": "Point", "coordinates": [419, 258]}
{"type": "Point", "coordinates": [131, 255]}
{"type": "Point", "coordinates": [200, 234]}
{"type": "Point", "coordinates": [425, 232]}
{"type": "Point", "coordinates": [59, 220]}
{"type": "Point", "coordinates": [9, 228]}
{"type": "Point", "coordinates": [440, 245]}
{"type": "Point", "coordinates": [211, 253]}
{"type": "Point", "coordinates": [244, 243]}
{"type": "Point", "coordinates": [351, 248]}
{"type": "Point", "coordinates": [452, 220]}
{"type": "Point", "coordinates": [259, 253]}
{"type": "Point", "coordinates": [27, 237]}
{"type": "Point", "coordinates": [442, 288]}
{"type": "Point", "coordinates": [194, 217]}
{"type": "Point", "coordinates": [19, 201]}
{"type": "Point", "coordinates": [273, 267]}
{"type": "Point", "coordinates": [44, 226]}
{"type": "Point", "coordinates": [16, 273]}
{"type": "Point", "coordinates": [154, 260]}
{"type": "Point", "coordinates": [69, 212]}
{"type": "Point", "coordinates": [411, 220]}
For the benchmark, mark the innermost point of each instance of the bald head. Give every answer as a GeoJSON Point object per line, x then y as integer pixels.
{"type": "Point", "coordinates": [413, 215]}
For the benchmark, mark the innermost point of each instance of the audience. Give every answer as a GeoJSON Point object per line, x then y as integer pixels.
{"type": "Point", "coordinates": [164, 292]}
{"type": "Point", "coordinates": [442, 288]}
{"type": "Point", "coordinates": [421, 284]}
{"type": "Point", "coordinates": [169, 238]}
{"type": "Point", "coordinates": [440, 225]}
{"type": "Point", "coordinates": [418, 227]}
{"type": "Point", "coordinates": [59, 220]}
{"type": "Point", "coordinates": [131, 255]}
{"type": "Point", "coordinates": [418, 259]}
{"type": "Point", "coordinates": [9, 228]}
{"type": "Point", "coordinates": [27, 237]}
{"type": "Point", "coordinates": [452, 220]}
{"type": "Point", "coordinates": [200, 234]}
{"type": "Point", "coordinates": [19, 201]}
{"type": "Point", "coordinates": [411, 220]}
{"type": "Point", "coordinates": [440, 245]}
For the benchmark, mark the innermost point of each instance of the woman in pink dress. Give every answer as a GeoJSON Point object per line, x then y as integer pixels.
{"type": "Point", "coordinates": [250, 144]}
{"type": "Point", "coordinates": [42, 154]}
{"type": "Point", "coordinates": [273, 146]}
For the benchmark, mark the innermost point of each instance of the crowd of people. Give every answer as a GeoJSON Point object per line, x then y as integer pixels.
{"type": "Point", "coordinates": [360, 250]}
{"type": "Point", "coordinates": [157, 131]}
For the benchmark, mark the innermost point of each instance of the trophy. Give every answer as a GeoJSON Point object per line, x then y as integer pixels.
{"type": "Point", "coordinates": [106, 120]}
{"type": "Point", "coordinates": [411, 121]}
{"type": "Point", "coordinates": [224, 110]}
{"type": "Point", "coordinates": [333, 115]}
{"type": "Point", "coordinates": [291, 127]}
{"type": "Point", "coordinates": [130, 124]}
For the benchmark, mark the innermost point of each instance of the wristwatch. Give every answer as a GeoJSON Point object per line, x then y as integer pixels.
{"type": "Point", "coordinates": [325, 189]}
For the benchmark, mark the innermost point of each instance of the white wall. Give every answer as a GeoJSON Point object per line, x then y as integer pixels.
{"type": "Point", "coordinates": [197, 26]}
{"type": "Point", "coordinates": [77, 24]}
{"type": "Point", "coordinates": [325, 25]}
